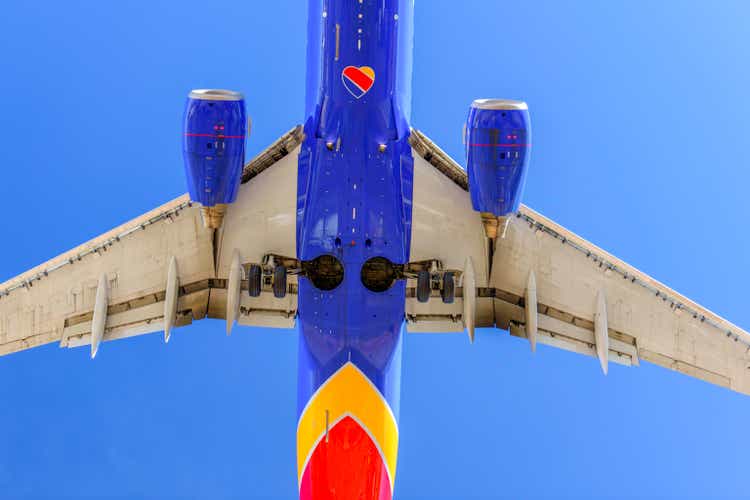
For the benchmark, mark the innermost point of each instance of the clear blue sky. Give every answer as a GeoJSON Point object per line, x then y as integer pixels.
{"type": "Point", "coordinates": [640, 114]}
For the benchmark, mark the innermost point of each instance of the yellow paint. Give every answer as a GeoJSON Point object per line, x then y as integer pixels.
{"type": "Point", "coordinates": [348, 392]}
{"type": "Point", "coordinates": [368, 71]}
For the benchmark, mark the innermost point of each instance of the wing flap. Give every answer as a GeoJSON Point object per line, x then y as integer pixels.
{"type": "Point", "coordinates": [568, 336]}
{"type": "Point", "coordinates": [438, 317]}
{"type": "Point", "coordinates": [687, 369]}
{"type": "Point", "coordinates": [143, 315]}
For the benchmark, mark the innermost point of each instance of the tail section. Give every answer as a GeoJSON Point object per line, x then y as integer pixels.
{"type": "Point", "coordinates": [347, 441]}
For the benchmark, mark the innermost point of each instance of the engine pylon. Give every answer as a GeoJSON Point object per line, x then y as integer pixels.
{"type": "Point", "coordinates": [213, 217]}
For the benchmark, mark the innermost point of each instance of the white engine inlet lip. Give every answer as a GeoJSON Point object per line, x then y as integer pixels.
{"type": "Point", "coordinates": [216, 95]}
{"type": "Point", "coordinates": [500, 104]}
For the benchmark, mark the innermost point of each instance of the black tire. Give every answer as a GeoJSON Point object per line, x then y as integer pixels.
{"type": "Point", "coordinates": [448, 292]}
{"type": "Point", "coordinates": [424, 287]}
{"type": "Point", "coordinates": [279, 282]}
{"type": "Point", "coordinates": [254, 276]}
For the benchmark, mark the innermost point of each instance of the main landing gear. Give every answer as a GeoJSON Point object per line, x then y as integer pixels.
{"type": "Point", "coordinates": [430, 276]}
{"type": "Point", "coordinates": [254, 278]}
{"type": "Point", "coordinates": [272, 273]}
{"type": "Point", "coordinates": [279, 282]}
{"type": "Point", "coordinates": [326, 273]}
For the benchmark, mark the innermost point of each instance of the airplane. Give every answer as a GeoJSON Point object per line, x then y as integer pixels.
{"type": "Point", "coordinates": [370, 231]}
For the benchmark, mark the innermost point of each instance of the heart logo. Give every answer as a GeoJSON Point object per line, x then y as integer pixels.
{"type": "Point", "coordinates": [358, 81]}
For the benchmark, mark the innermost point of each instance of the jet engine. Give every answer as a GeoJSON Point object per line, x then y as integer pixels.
{"type": "Point", "coordinates": [497, 138]}
{"type": "Point", "coordinates": [214, 150]}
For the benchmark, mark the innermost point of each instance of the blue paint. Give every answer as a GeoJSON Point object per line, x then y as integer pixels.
{"type": "Point", "coordinates": [355, 187]}
{"type": "Point", "coordinates": [497, 148]}
{"type": "Point", "coordinates": [214, 149]}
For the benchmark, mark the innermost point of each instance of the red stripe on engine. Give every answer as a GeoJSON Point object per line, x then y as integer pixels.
{"type": "Point", "coordinates": [218, 136]}
{"type": "Point", "coordinates": [500, 145]}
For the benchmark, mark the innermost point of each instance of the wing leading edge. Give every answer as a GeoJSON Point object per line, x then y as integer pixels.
{"type": "Point", "coordinates": [550, 286]}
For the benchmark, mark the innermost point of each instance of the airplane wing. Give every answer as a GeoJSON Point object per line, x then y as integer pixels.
{"type": "Point", "coordinates": [547, 285]}
{"type": "Point", "coordinates": [164, 269]}
{"type": "Point", "coordinates": [541, 282]}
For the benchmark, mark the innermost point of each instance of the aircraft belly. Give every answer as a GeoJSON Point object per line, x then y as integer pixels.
{"type": "Point", "coordinates": [351, 207]}
{"type": "Point", "coordinates": [350, 337]}
{"type": "Point", "coordinates": [354, 211]}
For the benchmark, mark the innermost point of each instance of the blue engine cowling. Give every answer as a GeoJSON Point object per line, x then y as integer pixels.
{"type": "Point", "coordinates": [214, 147]}
{"type": "Point", "coordinates": [498, 141]}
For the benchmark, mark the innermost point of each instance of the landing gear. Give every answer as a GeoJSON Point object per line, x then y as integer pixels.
{"type": "Point", "coordinates": [254, 277]}
{"type": "Point", "coordinates": [431, 275]}
{"type": "Point", "coordinates": [279, 282]}
{"type": "Point", "coordinates": [448, 290]}
{"type": "Point", "coordinates": [271, 273]}
{"type": "Point", "coordinates": [424, 285]}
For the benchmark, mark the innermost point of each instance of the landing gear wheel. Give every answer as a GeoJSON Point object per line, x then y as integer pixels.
{"type": "Point", "coordinates": [424, 287]}
{"type": "Point", "coordinates": [448, 292]}
{"type": "Point", "coordinates": [279, 282]}
{"type": "Point", "coordinates": [254, 275]}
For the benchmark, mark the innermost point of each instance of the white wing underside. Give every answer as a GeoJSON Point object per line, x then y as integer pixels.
{"type": "Point", "coordinates": [643, 320]}
{"type": "Point", "coordinates": [55, 301]}
{"type": "Point", "coordinates": [584, 299]}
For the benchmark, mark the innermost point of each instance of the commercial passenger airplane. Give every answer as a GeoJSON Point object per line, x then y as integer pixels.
{"type": "Point", "coordinates": [370, 231]}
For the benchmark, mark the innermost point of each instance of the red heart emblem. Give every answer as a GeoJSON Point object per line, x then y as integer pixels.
{"type": "Point", "coordinates": [358, 81]}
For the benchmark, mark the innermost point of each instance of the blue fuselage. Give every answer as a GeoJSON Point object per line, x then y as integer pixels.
{"type": "Point", "coordinates": [354, 199]}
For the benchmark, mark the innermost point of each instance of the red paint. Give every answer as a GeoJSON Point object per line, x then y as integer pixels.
{"type": "Point", "coordinates": [500, 145]}
{"type": "Point", "coordinates": [360, 79]}
{"type": "Point", "coordinates": [218, 136]}
{"type": "Point", "coordinates": [347, 467]}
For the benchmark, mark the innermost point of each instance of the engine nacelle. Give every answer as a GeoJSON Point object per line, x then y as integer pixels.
{"type": "Point", "coordinates": [498, 140]}
{"type": "Point", "coordinates": [214, 150]}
